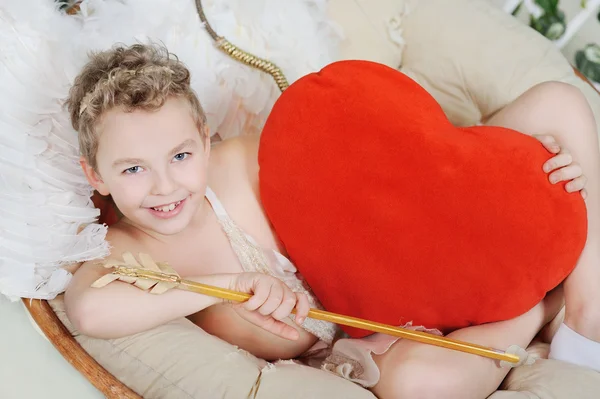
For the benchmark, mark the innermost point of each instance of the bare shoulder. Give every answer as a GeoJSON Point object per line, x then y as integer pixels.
{"type": "Point", "coordinates": [245, 146]}
{"type": "Point", "coordinates": [122, 238]}
{"type": "Point", "coordinates": [119, 240]}
{"type": "Point", "coordinates": [235, 160]}
{"type": "Point", "coordinates": [234, 178]}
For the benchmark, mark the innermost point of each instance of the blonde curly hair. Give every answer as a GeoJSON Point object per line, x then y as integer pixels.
{"type": "Point", "coordinates": [137, 77]}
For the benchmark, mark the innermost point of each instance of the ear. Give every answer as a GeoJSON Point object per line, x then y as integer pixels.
{"type": "Point", "coordinates": [93, 177]}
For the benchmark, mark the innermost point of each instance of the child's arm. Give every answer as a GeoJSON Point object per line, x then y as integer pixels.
{"type": "Point", "coordinates": [120, 309]}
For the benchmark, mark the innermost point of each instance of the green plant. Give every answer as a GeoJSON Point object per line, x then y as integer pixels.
{"type": "Point", "coordinates": [68, 6]}
{"type": "Point", "coordinates": [547, 18]}
{"type": "Point", "coordinates": [62, 4]}
{"type": "Point", "coordinates": [552, 23]}
{"type": "Point", "coordinates": [587, 60]}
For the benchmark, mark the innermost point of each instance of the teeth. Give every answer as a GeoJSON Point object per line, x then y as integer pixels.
{"type": "Point", "coordinates": [167, 208]}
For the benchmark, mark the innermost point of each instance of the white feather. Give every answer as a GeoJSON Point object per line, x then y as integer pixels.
{"type": "Point", "coordinates": [44, 197]}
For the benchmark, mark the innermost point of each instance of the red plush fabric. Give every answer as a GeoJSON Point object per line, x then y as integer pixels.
{"type": "Point", "coordinates": [393, 214]}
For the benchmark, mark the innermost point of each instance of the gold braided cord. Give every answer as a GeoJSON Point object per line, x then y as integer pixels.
{"type": "Point", "coordinates": [243, 56]}
{"type": "Point", "coordinates": [253, 61]}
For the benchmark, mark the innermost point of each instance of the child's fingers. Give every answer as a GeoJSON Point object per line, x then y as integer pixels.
{"type": "Point", "coordinates": [302, 307]}
{"type": "Point", "coordinates": [576, 184]}
{"type": "Point", "coordinates": [584, 193]}
{"type": "Point", "coordinates": [570, 172]}
{"type": "Point", "coordinates": [273, 326]}
{"type": "Point", "coordinates": [561, 160]}
{"type": "Point", "coordinates": [260, 294]}
{"type": "Point", "coordinates": [280, 328]}
{"type": "Point", "coordinates": [283, 330]}
{"type": "Point", "coordinates": [276, 295]}
{"type": "Point", "coordinates": [287, 305]}
{"type": "Point", "coordinates": [549, 143]}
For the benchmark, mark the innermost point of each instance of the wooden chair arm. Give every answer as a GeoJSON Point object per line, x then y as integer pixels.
{"type": "Point", "coordinates": [585, 79]}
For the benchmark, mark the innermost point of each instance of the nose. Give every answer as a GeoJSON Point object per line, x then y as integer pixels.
{"type": "Point", "coordinates": [163, 183]}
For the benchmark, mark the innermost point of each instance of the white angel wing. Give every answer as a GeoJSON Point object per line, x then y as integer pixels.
{"type": "Point", "coordinates": [44, 196]}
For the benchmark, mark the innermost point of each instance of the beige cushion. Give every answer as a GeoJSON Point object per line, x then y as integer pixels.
{"type": "Point", "coordinates": [301, 382]}
{"type": "Point", "coordinates": [179, 360]}
{"type": "Point", "coordinates": [372, 29]}
{"type": "Point", "coordinates": [474, 59]}
{"type": "Point", "coordinates": [478, 59]}
{"type": "Point", "coordinates": [550, 379]}
{"type": "Point", "coordinates": [471, 56]}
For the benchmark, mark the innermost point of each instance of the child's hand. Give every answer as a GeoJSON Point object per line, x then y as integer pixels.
{"type": "Point", "coordinates": [271, 302]}
{"type": "Point", "coordinates": [561, 167]}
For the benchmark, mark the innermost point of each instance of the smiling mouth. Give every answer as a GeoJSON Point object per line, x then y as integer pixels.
{"type": "Point", "coordinates": [167, 208]}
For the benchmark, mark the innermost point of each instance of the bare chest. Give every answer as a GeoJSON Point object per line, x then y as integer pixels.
{"type": "Point", "coordinates": [201, 254]}
{"type": "Point", "coordinates": [208, 252]}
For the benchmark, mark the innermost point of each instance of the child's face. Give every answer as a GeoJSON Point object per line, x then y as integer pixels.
{"type": "Point", "coordinates": [154, 164]}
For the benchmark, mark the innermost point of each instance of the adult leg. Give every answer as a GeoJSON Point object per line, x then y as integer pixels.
{"type": "Point", "coordinates": [561, 110]}
{"type": "Point", "coordinates": [419, 371]}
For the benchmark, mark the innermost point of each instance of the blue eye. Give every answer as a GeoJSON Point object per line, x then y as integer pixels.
{"type": "Point", "coordinates": [181, 156]}
{"type": "Point", "coordinates": [132, 170]}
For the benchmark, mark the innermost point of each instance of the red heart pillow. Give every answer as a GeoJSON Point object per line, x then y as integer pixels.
{"type": "Point", "coordinates": [393, 214]}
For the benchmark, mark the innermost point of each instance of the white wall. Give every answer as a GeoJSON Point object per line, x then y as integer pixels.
{"type": "Point", "coordinates": [30, 367]}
